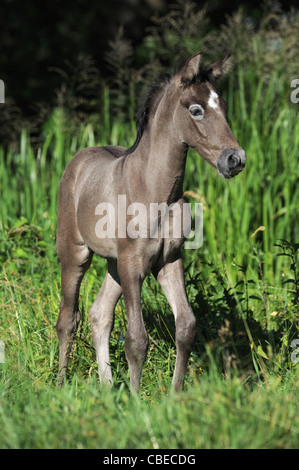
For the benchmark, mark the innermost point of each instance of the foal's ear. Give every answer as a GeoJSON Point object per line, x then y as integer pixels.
{"type": "Point", "coordinates": [190, 69]}
{"type": "Point", "coordinates": [220, 68]}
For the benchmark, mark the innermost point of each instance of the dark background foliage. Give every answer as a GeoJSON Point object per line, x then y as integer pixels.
{"type": "Point", "coordinates": [37, 38]}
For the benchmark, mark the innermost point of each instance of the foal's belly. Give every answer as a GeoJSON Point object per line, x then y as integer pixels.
{"type": "Point", "coordinates": [103, 233]}
{"type": "Point", "coordinates": [107, 233]}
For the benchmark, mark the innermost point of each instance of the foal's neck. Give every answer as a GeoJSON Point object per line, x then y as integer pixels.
{"type": "Point", "coordinates": [163, 154]}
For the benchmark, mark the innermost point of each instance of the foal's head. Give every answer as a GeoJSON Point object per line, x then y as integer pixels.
{"type": "Point", "coordinates": [200, 116]}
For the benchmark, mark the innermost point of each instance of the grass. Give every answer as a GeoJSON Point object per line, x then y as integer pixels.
{"type": "Point", "coordinates": [214, 413]}
{"type": "Point", "coordinates": [241, 386]}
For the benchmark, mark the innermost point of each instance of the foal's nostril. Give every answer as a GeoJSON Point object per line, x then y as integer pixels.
{"type": "Point", "coordinates": [233, 161]}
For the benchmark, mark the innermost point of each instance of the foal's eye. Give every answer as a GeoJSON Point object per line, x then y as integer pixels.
{"type": "Point", "coordinates": [196, 111]}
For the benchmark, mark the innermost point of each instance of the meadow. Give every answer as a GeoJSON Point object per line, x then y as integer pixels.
{"type": "Point", "coordinates": [241, 388]}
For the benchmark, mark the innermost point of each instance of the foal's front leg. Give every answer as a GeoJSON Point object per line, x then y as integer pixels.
{"type": "Point", "coordinates": [136, 341]}
{"type": "Point", "coordinates": [171, 279]}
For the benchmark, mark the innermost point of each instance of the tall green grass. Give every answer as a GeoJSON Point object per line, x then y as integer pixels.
{"type": "Point", "coordinates": [214, 414]}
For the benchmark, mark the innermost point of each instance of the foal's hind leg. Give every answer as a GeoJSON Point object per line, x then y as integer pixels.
{"type": "Point", "coordinates": [171, 279]}
{"type": "Point", "coordinates": [75, 260]}
{"type": "Point", "coordinates": [101, 315]}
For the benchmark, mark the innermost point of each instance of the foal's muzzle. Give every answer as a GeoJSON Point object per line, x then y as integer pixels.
{"type": "Point", "coordinates": [231, 162]}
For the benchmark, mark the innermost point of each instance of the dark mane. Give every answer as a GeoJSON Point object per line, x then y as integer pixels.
{"type": "Point", "coordinates": [150, 99]}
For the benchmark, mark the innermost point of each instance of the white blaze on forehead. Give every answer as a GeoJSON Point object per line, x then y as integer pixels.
{"type": "Point", "coordinates": [212, 99]}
